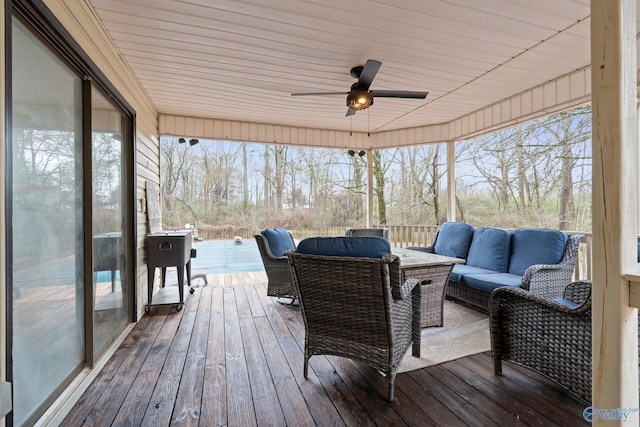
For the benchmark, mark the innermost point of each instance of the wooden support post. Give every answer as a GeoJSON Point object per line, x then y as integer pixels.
{"type": "Point", "coordinates": [615, 204]}
{"type": "Point", "coordinates": [451, 181]}
{"type": "Point", "coordinates": [5, 389]}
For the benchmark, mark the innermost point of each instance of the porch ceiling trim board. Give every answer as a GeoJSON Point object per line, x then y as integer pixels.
{"type": "Point", "coordinates": [232, 130]}
{"type": "Point", "coordinates": [556, 95]}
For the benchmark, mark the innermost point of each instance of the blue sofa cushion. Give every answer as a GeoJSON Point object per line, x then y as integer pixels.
{"type": "Point", "coordinates": [461, 270]}
{"type": "Point", "coordinates": [454, 239]}
{"type": "Point", "coordinates": [367, 247]}
{"type": "Point", "coordinates": [490, 248]}
{"type": "Point", "coordinates": [638, 252]}
{"type": "Point", "coordinates": [531, 246]}
{"type": "Point", "coordinates": [279, 240]}
{"type": "Point", "coordinates": [489, 281]}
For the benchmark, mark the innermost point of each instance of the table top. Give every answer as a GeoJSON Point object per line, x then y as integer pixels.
{"type": "Point", "coordinates": [412, 258]}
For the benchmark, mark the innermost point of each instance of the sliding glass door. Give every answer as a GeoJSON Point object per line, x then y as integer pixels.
{"type": "Point", "coordinates": [70, 202]}
{"type": "Point", "coordinates": [47, 224]}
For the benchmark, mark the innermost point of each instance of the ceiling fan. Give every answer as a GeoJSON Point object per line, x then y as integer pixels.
{"type": "Point", "coordinates": [360, 97]}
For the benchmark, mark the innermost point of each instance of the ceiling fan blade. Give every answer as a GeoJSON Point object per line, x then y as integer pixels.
{"type": "Point", "coordinates": [350, 112]}
{"type": "Point", "coordinates": [399, 94]}
{"type": "Point", "coordinates": [368, 73]}
{"type": "Point", "coordinates": [320, 93]}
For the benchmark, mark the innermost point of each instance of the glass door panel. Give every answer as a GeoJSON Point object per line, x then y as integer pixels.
{"type": "Point", "coordinates": [47, 225]}
{"type": "Point", "coordinates": [110, 314]}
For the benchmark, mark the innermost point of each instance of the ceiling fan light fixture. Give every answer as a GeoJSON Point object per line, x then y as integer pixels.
{"type": "Point", "coordinates": [359, 100]}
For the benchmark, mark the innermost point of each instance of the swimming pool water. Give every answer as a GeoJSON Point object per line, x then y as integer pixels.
{"type": "Point", "coordinates": [227, 256]}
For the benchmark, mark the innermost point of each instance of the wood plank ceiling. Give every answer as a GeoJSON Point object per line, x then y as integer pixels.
{"type": "Point", "coordinates": [241, 60]}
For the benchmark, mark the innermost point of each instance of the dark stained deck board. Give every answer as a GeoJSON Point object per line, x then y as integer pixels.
{"type": "Point", "coordinates": [234, 357]}
{"type": "Point", "coordinates": [187, 407]}
{"type": "Point", "coordinates": [137, 399]}
{"type": "Point", "coordinates": [161, 405]}
{"type": "Point", "coordinates": [539, 394]}
{"type": "Point", "coordinates": [317, 401]}
{"type": "Point", "coordinates": [521, 410]}
{"type": "Point", "coordinates": [555, 401]}
{"type": "Point", "coordinates": [110, 402]}
{"type": "Point", "coordinates": [451, 399]}
{"type": "Point", "coordinates": [214, 390]}
{"type": "Point", "coordinates": [89, 399]}
{"type": "Point", "coordinates": [412, 394]}
{"type": "Point", "coordinates": [491, 409]}
{"type": "Point", "coordinates": [240, 409]}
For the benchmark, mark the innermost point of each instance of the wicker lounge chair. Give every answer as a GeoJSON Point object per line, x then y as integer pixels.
{"type": "Point", "coordinates": [280, 282]}
{"type": "Point", "coordinates": [356, 306]}
{"type": "Point", "coordinates": [550, 337]}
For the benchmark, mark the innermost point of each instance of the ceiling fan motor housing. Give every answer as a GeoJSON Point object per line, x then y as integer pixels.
{"type": "Point", "coordinates": [359, 99]}
{"type": "Point", "coordinates": [356, 71]}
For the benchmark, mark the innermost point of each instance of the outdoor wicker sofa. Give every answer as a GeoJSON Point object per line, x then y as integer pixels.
{"type": "Point", "coordinates": [272, 243]}
{"type": "Point", "coordinates": [539, 260]}
{"type": "Point", "coordinates": [354, 303]}
{"type": "Point", "coordinates": [552, 337]}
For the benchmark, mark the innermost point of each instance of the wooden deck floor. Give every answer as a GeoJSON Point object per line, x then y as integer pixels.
{"type": "Point", "coordinates": [234, 357]}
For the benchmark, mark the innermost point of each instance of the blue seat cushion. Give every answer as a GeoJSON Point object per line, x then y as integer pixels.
{"type": "Point", "coordinates": [454, 239]}
{"type": "Point", "coordinates": [367, 247]}
{"type": "Point", "coordinates": [638, 252]}
{"type": "Point", "coordinates": [531, 246]}
{"type": "Point", "coordinates": [490, 248]}
{"type": "Point", "coordinates": [460, 270]}
{"type": "Point", "coordinates": [279, 240]}
{"type": "Point", "coordinates": [489, 281]}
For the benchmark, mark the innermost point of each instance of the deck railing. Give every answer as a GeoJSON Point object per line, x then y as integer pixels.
{"type": "Point", "coordinates": [399, 235]}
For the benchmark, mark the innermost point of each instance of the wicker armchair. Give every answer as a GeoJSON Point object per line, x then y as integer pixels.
{"type": "Point", "coordinates": [357, 307]}
{"type": "Point", "coordinates": [549, 337]}
{"type": "Point", "coordinates": [280, 282]}
{"type": "Point", "coordinates": [363, 232]}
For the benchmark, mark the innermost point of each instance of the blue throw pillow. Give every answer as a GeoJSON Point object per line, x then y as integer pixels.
{"type": "Point", "coordinates": [490, 248]}
{"type": "Point", "coordinates": [531, 246]}
{"type": "Point", "coordinates": [367, 247]}
{"type": "Point", "coordinates": [279, 240]}
{"type": "Point", "coordinates": [454, 239]}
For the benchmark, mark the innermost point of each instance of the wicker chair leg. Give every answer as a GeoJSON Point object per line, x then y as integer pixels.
{"type": "Point", "coordinates": [306, 366]}
{"type": "Point", "coordinates": [497, 366]}
{"type": "Point", "coordinates": [391, 389]}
